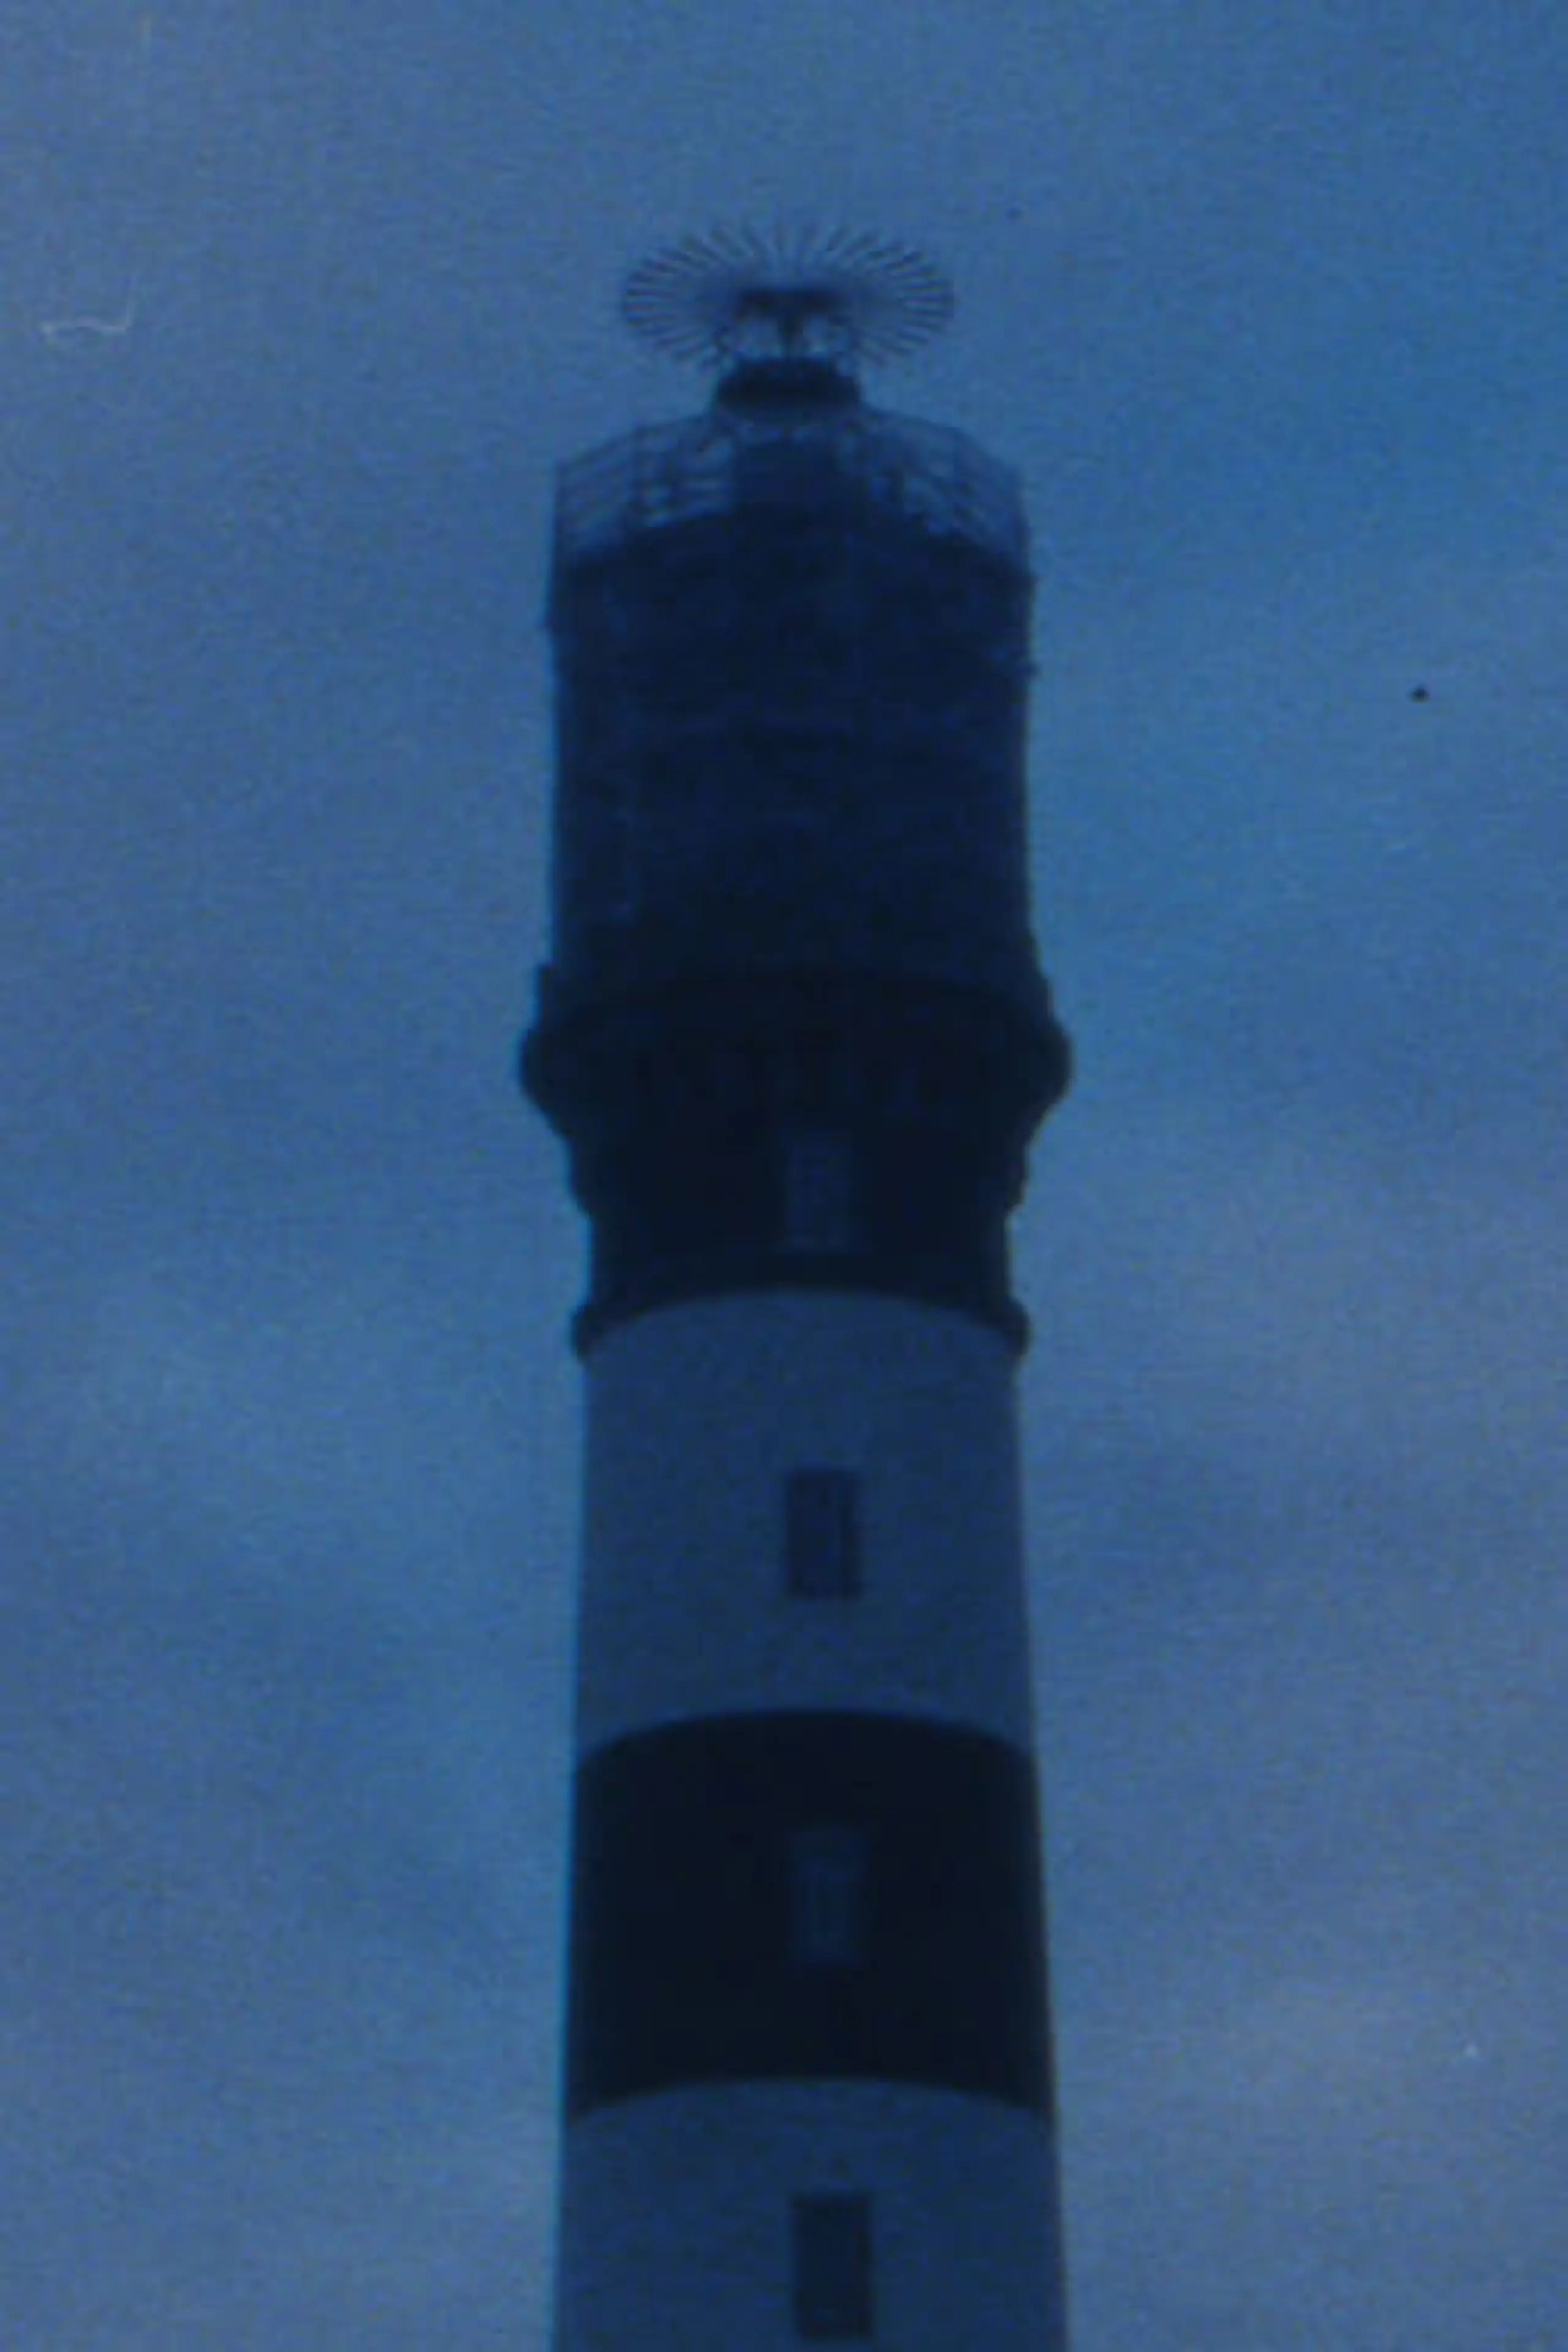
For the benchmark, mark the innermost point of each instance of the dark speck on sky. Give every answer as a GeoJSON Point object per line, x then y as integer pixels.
{"type": "Point", "coordinates": [300, 308]}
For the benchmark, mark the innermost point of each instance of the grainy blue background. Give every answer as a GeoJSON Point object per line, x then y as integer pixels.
{"type": "Point", "coordinates": [300, 307]}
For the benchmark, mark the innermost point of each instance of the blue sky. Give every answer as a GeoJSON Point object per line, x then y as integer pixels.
{"type": "Point", "coordinates": [300, 310]}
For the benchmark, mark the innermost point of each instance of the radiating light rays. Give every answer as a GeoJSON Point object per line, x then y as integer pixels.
{"type": "Point", "coordinates": [797, 290]}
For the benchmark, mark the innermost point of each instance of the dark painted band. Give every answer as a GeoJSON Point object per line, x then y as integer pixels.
{"type": "Point", "coordinates": [681, 1966]}
{"type": "Point", "coordinates": [679, 1108]}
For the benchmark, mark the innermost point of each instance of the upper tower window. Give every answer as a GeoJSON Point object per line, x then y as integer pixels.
{"type": "Point", "coordinates": [832, 2268]}
{"type": "Point", "coordinates": [817, 1193]}
{"type": "Point", "coordinates": [822, 1534]}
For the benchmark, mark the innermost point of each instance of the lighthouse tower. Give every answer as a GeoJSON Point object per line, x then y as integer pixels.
{"type": "Point", "coordinates": [795, 1035]}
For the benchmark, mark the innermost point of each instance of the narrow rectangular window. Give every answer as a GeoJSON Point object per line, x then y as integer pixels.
{"type": "Point", "coordinates": [620, 875]}
{"type": "Point", "coordinates": [816, 1190]}
{"type": "Point", "coordinates": [833, 2269]}
{"type": "Point", "coordinates": [828, 1897]}
{"type": "Point", "coordinates": [822, 1534]}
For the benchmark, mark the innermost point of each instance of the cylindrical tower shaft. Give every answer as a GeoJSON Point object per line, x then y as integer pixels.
{"type": "Point", "coordinates": [795, 1037]}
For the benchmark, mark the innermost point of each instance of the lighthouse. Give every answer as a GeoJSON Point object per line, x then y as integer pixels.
{"type": "Point", "coordinates": [795, 1036]}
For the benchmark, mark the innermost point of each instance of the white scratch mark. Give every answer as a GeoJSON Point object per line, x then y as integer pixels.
{"type": "Point", "coordinates": [70, 334]}
{"type": "Point", "coordinates": [65, 333]}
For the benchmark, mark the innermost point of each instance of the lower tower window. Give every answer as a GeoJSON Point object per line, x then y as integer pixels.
{"type": "Point", "coordinates": [828, 1897]}
{"type": "Point", "coordinates": [833, 2269]}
